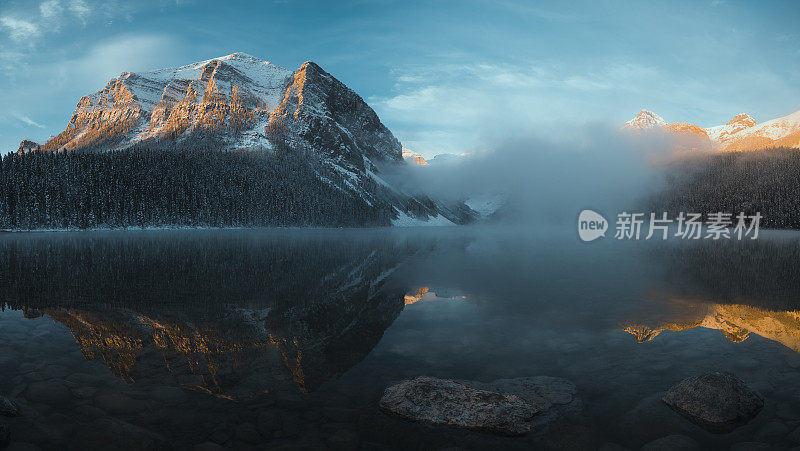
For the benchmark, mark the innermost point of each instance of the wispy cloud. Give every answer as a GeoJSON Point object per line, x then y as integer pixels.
{"type": "Point", "coordinates": [48, 86]}
{"type": "Point", "coordinates": [110, 57]}
{"type": "Point", "coordinates": [51, 9]}
{"type": "Point", "coordinates": [19, 29]}
{"type": "Point", "coordinates": [450, 107]}
{"type": "Point", "coordinates": [28, 121]}
{"type": "Point", "coordinates": [80, 9]}
{"type": "Point", "coordinates": [458, 103]}
{"type": "Point", "coordinates": [51, 16]}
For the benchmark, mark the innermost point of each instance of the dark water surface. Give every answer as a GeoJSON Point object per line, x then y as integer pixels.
{"type": "Point", "coordinates": [287, 338]}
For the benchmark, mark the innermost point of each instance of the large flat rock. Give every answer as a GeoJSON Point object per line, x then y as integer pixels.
{"type": "Point", "coordinates": [451, 403]}
{"type": "Point", "coordinates": [718, 402]}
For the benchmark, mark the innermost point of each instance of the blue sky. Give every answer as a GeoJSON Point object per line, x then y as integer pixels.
{"type": "Point", "coordinates": [443, 75]}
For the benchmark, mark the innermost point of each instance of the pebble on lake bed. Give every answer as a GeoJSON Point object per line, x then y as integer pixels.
{"type": "Point", "coordinates": [718, 402]}
{"type": "Point", "coordinates": [8, 408]}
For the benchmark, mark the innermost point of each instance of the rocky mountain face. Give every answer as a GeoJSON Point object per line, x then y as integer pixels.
{"type": "Point", "coordinates": [241, 103]}
{"type": "Point", "coordinates": [740, 133]}
{"type": "Point", "coordinates": [27, 146]}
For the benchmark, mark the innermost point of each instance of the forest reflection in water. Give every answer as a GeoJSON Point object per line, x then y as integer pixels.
{"type": "Point", "coordinates": [220, 311]}
{"type": "Point", "coordinates": [240, 314]}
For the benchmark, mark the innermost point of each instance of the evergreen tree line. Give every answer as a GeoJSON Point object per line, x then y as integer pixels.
{"type": "Point", "coordinates": [765, 181]}
{"type": "Point", "coordinates": [149, 186]}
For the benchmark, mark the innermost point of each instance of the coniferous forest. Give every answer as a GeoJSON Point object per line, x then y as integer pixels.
{"type": "Point", "coordinates": [764, 181]}
{"type": "Point", "coordinates": [197, 187]}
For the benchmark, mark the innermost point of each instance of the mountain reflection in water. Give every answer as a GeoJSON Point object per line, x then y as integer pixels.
{"type": "Point", "coordinates": [229, 314]}
{"type": "Point", "coordinates": [736, 288]}
{"type": "Point", "coordinates": [736, 322]}
{"type": "Point", "coordinates": [296, 333]}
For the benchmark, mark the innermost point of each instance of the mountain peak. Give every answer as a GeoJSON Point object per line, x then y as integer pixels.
{"type": "Point", "coordinates": [742, 119]}
{"type": "Point", "coordinates": [646, 119]}
{"type": "Point", "coordinates": [27, 146]}
{"type": "Point", "coordinates": [240, 55]}
{"type": "Point", "coordinates": [238, 102]}
{"type": "Point", "coordinates": [413, 157]}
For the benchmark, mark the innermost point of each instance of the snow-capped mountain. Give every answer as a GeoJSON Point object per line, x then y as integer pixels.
{"type": "Point", "coordinates": [780, 132]}
{"type": "Point", "coordinates": [723, 133]}
{"type": "Point", "coordinates": [240, 102]}
{"type": "Point", "coordinates": [414, 158]}
{"type": "Point", "coordinates": [740, 133]}
{"type": "Point", "coordinates": [646, 119]}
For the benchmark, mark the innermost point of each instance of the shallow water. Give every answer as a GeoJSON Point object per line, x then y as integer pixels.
{"type": "Point", "coordinates": [287, 338]}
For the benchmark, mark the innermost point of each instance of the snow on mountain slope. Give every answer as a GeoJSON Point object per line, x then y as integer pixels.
{"type": "Point", "coordinates": [722, 133]}
{"type": "Point", "coordinates": [689, 137]}
{"type": "Point", "coordinates": [740, 133]}
{"type": "Point", "coordinates": [782, 131]}
{"type": "Point", "coordinates": [240, 102]}
{"type": "Point", "coordinates": [486, 204]}
{"type": "Point", "coordinates": [777, 128]}
{"type": "Point", "coordinates": [404, 220]}
{"type": "Point", "coordinates": [414, 158]}
{"type": "Point", "coordinates": [231, 96]}
{"type": "Point", "coordinates": [645, 120]}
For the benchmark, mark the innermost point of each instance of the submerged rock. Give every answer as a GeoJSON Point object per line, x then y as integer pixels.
{"type": "Point", "coordinates": [8, 408]}
{"type": "Point", "coordinates": [451, 403]}
{"type": "Point", "coordinates": [718, 402]}
{"type": "Point", "coordinates": [555, 397]}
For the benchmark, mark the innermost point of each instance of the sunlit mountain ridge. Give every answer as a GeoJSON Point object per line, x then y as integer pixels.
{"type": "Point", "coordinates": [740, 133]}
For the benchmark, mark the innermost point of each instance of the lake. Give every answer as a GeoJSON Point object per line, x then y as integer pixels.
{"type": "Point", "coordinates": [286, 338]}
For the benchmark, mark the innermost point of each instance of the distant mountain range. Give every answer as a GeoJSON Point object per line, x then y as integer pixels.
{"type": "Point", "coordinates": [740, 133]}
{"type": "Point", "coordinates": [241, 103]}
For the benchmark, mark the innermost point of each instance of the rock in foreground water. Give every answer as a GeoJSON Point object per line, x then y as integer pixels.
{"type": "Point", "coordinates": [451, 403]}
{"type": "Point", "coordinates": [556, 398]}
{"type": "Point", "coordinates": [718, 402]}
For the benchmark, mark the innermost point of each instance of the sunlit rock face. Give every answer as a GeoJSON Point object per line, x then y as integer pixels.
{"type": "Point", "coordinates": [780, 132]}
{"type": "Point", "coordinates": [414, 158]}
{"type": "Point", "coordinates": [690, 129]}
{"type": "Point", "coordinates": [736, 322]}
{"type": "Point", "coordinates": [686, 136]}
{"type": "Point", "coordinates": [27, 146]}
{"type": "Point", "coordinates": [724, 133]}
{"type": "Point", "coordinates": [241, 103]}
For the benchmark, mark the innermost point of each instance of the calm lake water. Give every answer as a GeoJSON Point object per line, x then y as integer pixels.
{"type": "Point", "coordinates": [287, 338]}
